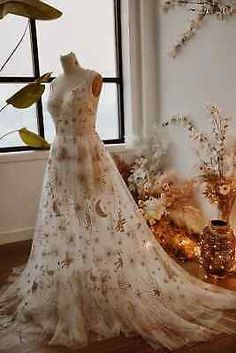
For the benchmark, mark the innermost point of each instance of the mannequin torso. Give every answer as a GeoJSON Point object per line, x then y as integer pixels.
{"type": "Point", "coordinates": [73, 75]}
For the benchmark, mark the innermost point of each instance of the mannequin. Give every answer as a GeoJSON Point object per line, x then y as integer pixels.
{"type": "Point", "coordinates": [73, 74]}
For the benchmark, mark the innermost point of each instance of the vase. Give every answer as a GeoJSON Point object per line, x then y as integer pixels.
{"type": "Point", "coordinates": [217, 249]}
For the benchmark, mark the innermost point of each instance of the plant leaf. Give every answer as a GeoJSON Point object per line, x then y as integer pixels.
{"type": "Point", "coordinates": [44, 77]}
{"type": "Point", "coordinates": [34, 9]}
{"type": "Point", "coordinates": [26, 96]}
{"type": "Point", "coordinates": [33, 140]}
{"type": "Point", "coordinates": [29, 94]}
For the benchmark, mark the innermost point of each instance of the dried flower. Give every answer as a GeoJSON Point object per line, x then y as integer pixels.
{"type": "Point", "coordinates": [214, 160]}
{"type": "Point", "coordinates": [224, 189]}
{"type": "Point", "coordinates": [166, 201]}
{"type": "Point", "coordinates": [217, 8]}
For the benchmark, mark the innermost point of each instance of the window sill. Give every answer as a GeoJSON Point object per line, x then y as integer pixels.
{"type": "Point", "coordinates": [15, 157]}
{"type": "Point", "coordinates": [27, 156]}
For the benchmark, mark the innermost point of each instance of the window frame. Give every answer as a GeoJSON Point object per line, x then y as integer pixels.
{"type": "Point", "coordinates": [118, 80]}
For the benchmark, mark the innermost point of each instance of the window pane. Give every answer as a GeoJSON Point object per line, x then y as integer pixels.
{"type": "Point", "coordinates": [49, 129]}
{"type": "Point", "coordinates": [11, 118]}
{"type": "Point", "coordinates": [12, 28]}
{"type": "Point", "coordinates": [87, 28]}
{"type": "Point", "coordinates": [107, 120]}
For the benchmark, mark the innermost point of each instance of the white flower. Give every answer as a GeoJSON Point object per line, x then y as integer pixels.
{"type": "Point", "coordinates": [139, 174]}
{"type": "Point", "coordinates": [224, 189]}
{"type": "Point", "coordinates": [153, 209]}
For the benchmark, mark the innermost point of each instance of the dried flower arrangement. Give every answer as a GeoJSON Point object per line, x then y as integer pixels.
{"type": "Point", "coordinates": [166, 201]}
{"type": "Point", "coordinates": [219, 8]}
{"type": "Point", "coordinates": [216, 160]}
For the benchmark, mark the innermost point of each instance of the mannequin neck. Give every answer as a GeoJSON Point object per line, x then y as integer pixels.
{"type": "Point", "coordinates": [70, 63]}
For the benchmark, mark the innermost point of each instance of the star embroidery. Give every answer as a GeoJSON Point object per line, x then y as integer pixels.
{"type": "Point", "coordinates": [156, 292]}
{"type": "Point", "coordinates": [120, 223]}
{"type": "Point", "coordinates": [67, 262]}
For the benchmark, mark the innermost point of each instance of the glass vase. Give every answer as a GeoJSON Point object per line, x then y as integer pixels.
{"type": "Point", "coordinates": [217, 249]}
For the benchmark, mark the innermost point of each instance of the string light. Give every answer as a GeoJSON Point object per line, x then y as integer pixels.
{"type": "Point", "coordinates": [217, 246]}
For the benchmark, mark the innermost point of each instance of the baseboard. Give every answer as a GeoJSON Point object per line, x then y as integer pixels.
{"type": "Point", "coordinates": [16, 235]}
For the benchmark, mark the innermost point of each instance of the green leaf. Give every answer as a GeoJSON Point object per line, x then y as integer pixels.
{"type": "Point", "coordinates": [26, 96]}
{"type": "Point", "coordinates": [34, 9]}
{"type": "Point", "coordinates": [44, 77]}
{"type": "Point", "coordinates": [33, 140]}
{"type": "Point", "coordinates": [29, 94]}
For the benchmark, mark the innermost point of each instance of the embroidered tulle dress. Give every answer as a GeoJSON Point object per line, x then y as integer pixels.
{"type": "Point", "coordinates": [95, 270]}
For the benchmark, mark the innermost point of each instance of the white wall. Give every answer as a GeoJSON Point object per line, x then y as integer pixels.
{"type": "Point", "coordinates": [21, 176]}
{"type": "Point", "coordinates": [204, 72]}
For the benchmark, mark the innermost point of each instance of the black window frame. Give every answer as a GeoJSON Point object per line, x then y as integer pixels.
{"type": "Point", "coordinates": [118, 80]}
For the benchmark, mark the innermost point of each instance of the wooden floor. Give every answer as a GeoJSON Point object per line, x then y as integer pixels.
{"type": "Point", "coordinates": [13, 255]}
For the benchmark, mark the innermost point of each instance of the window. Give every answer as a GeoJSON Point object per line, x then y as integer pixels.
{"type": "Point", "coordinates": [92, 29]}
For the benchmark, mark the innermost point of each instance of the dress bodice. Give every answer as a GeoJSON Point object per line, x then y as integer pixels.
{"type": "Point", "coordinates": [75, 112]}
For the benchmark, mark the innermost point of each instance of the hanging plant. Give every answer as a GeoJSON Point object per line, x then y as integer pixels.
{"type": "Point", "coordinates": [31, 93]}
{"type": "Point", "coordinates": [23, 99]}
{"type": "Point", "coordinates": [221, 9]}
{"type": "Point", "coordinates": [30, 138]}
{"type": "Point", "coordinates": [33, 9]}
{"type": "Point", "coordinates": [33, 140]}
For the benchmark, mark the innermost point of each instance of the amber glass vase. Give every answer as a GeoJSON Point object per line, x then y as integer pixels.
{"type": "Point", "coordinates": [217, 246]}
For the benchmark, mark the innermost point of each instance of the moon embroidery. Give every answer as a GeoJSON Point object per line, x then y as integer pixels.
{"type": "Point", "coordinates": [99, 210]}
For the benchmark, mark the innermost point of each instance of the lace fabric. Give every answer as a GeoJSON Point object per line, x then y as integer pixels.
{"type": "Point", "coordinates": [95, 270]}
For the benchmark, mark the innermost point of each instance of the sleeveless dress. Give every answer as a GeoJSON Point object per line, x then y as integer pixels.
{"type": "Point", "coordinates": [95, 270]}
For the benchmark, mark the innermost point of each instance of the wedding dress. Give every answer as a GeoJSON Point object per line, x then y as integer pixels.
{"type": "Point", "coordinates": [95, 270]}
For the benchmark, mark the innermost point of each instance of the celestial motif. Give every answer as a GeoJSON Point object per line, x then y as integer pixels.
{"type": "Point", "coordinates": [67, 262]}
{"type": "Point", "coordinates": [63, 154]}
{"type": "Point", "coordinates": [34, 287]}
{"type": "Point", "coordinates": [157, 292]}
{"type": "Point", "coordinates": [99, 210]}
{"type": "Point", "coordinates": [56, 208]}
{"type": "Point", "coordinates": [120, 223]}
{"type": "Point", "coordinates": [123, 285]}
{"type": "Point", "coordinates": [119, 263]}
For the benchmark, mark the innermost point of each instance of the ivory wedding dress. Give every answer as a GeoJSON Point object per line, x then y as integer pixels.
{"type": "Point", "coordinates": [95, 270]}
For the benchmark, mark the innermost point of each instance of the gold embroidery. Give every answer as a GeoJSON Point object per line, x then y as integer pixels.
{"type": "Point", "coordinates": [77, 207]}
{"type": "Point", "coordinates": [92, 277]}
{"type": "Point", "coordinates": [156, 292]}
{"type": "Point", "coordinates": [67, 262]}
{"type": "Point", "coordinates": [34, 287]}
{"type": "Point", "coordinates": [56, 208]}
{"type": "Point", "coordinates": [120, 223]}
{"type": "Point", "coordinates": [123, 285]}
{"type": "Point", "coordinates": [119, 263]}
{"type": "Point", "coordinates": [50, 273]}
{"type": "Point", "coordinates": [99, 210]}
{"type": "Point", "coordinates": [63, 155]}
{"type": "Point", "coordinates": [89, 223]}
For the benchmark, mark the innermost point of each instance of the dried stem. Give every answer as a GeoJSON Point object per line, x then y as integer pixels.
{"type": "Point", "coordinates": [15, 49]}
{"type": "Point", "coordinates": [8, 133]}
{"type": "Point", "coordinates": [3, 107]}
